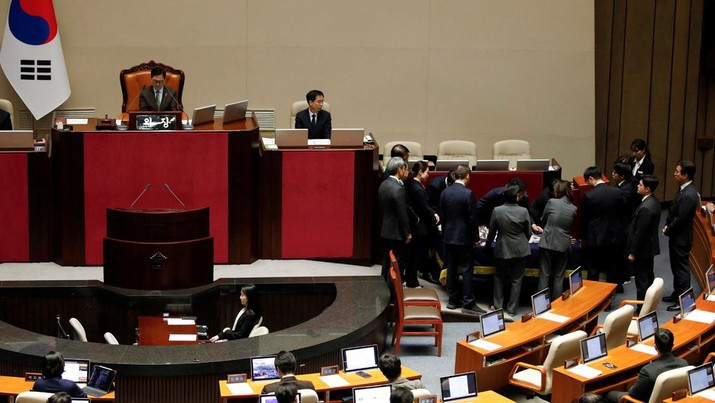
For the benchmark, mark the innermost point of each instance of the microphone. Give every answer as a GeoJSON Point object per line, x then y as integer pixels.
{"type": "Point", "coordinates": [148, 185]}
{"type": "Point", "coordinates": [166, 185]}
{"type": "Point", "coordinates": [181, 108]}
{"type": "Point", "coordinates": [61, 334]}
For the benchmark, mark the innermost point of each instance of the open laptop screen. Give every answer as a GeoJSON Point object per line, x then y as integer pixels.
{"type": "Point", "coordinates": [359, 358]}
{"type": "Point", "coordinates": [492, 165]}
{"type": "Point", "coordinates": [448, 165]}
{"type": "Point", "coordinates": [271, 398]}
{"type": "Point", "coordinates": [76, 370]}
{"type": "Point", "coordinates": [541, 302]}
{"type": "Point", "coordinates": [593, 348]}
{"type": "Point", "coordinates": [101, 378]}
{"type": "Point", "coordinates": [263, 368]}
{"type": "Point", "coordinates": [647, 325]}
{"type": "Point", "coordinates": [710, 278]}
{"type": "Point", "coordinates": [492, 322]}
{"type": "Point", "coordinates": [701, 378]}
{"type": "Point", "coordinates": [458, 386]}
{"type": "Point", "coordinates": [687, 302]}
{"type": "Point", "coordinates": [372, 394]}
{"type": "Point", "coordinates": [575, 280]}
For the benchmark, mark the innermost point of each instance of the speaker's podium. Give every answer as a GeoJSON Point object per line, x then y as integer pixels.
{"type": "Point", "coordinates": [158, 249]}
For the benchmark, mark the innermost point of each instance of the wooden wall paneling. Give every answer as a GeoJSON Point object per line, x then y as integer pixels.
{"type": "Point", "coordinates": [693, 85]}
{"type": "Point", "coordinates": [708, 157]}
{"type": "Point", "coordinates": [603, 43]}
{"type": "Point", "coordinates": [605, 146]}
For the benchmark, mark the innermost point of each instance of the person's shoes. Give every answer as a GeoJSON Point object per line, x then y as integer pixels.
{"type": "Point", "coordinates": [627, 281]}
{"type": "Point", "coordinates": [673, 308]}
{"type": "Point", "coordinates": [428, 278]}
{"type": "Point", "coordinates": [453, 306]}
{"type": "Point", "coordinates": [475, 310]}
{"type": "Point", "coordinates": [669, 299]}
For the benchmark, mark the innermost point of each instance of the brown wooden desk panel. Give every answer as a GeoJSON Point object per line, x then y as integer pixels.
{"type": "Point", "coordinates": [155, 331]}
{"type": "Point", "coordinates": [14, 385]}
{"type": "Point", "coordinates": [689, 399]}
{"type": "Point", "coordinates": [526, 341]}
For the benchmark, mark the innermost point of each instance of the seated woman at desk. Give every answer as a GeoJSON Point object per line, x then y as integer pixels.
{"type": "Point", "coordinates": [53, 365]}
{"type": "Point", "coordinates": [246, 318]}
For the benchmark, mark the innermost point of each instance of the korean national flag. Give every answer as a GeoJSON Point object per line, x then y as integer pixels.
{"type": "Point", "coordinates": [31, 56]}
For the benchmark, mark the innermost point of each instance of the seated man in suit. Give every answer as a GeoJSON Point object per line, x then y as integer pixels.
{"type": "Point", "coordinates": [158, 97]}
{"type": "Point", "coordinates": [391, 366]}
{"type": "Point", "coordinates": [285, 364]}
{"type": "Point", "coordinates": [643, 387]}
{"type": "Point", "coordinates": [315, 119]}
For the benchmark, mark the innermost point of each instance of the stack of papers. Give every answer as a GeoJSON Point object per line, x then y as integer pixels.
{"type": "Point", "coordinates": [485, 345]}
{"type": "Point", "coordinates": [701, 316]}
{"type": "Point", "coordinates": [553, 317]}
{"type": "Point", "coordinates": [334, 381]}
{"type": "Point", "coordinates": [644, 348]}
{"type": "Point", "coordinates": [585, 371]}
{"type": "Point", "coordinates": [239, 388]}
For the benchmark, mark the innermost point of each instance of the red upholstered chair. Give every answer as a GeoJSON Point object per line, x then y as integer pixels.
{"type": "Point", "coordinates": [135, 78]}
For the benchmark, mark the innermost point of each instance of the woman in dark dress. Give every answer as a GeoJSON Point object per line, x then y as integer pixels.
{"type": "Point", "coordinates": [641, 163]}
{"type": "Point", "coordinates": [246, 318]}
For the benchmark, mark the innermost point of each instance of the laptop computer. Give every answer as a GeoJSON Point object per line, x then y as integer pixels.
{"type": "Point", "coordinates": [647, 325]}
{"type": "Point", "coordinates": [263, 368]}
{"type": "Point", "coordinates": [100, 382]}
{"type": "Point", "coordinates": [701, 378]}
{"type": "Point", "coordinates": [448, 165]}
{"type": "Point", "coordinates": [347, 137]}
{"type": "Point", "coordinates": [710, 279]}
{"type": "Point", "coordinates": [458, 386]}
{"type": "Point", "coordinates": [541, 301]}
{"type": "Point", "coordinates": [235, 111]}
{"type": "Point", "coordinates": [687, 302]}
{"type": "Point", "coordinates": [593, 348]}
{"type": "Point", "coordinates": [286, 138]}
{"type": "Point", "coordinates": [204, 114]}
{"type": "Point", "coordinates": [372, 394]}
{"type": "Point", "coordinates": [492, 165]}
{"type": "Point", "coordinates": [359, 358]}
{"type": "Point", "coordinates": [575, 280]}
{"type": "Point", "coordinates": [533, 165]}
{"type": "Point", "coordinates": [492, 322]}
{"type": "Point", "coordinates": [77, 371]}
{"type": "Point", "coordinates": [269, 398]}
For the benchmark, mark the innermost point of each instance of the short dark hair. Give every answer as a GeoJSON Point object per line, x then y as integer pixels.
{"type": "Point", "coordinates": [591, 398]}
{"type": "Point", "coordinates": [400, 150]}
{"type": "Point", "coordinates": [461, 172]}
{"type": "Point", "coordinates": [687, 168]}
{"type": "Point", "coordinates": [450, 177]}
{"type": "Point", "coordinates": [158, 71]}
{"type": "Point", "coordinates": [517, 182]}
{"type": "Point", "coordinates": [254, 303]}
{"type": "Point", "coordinates": [640, 145]}
{"type": "Point", "coordinates": [622, 169]}
{"type": "Point", "coordinates": [286, 392]}
{"type": "Point", "coordinates": [60, 397]}
{"type": "Point", "coordinates": [511, 194]}
{"type": "Point", "coordinates": [390, 365]}
{"type": "Point", "coordinates": [401, 395]}
{"type": "Point", "coordinates": [53, 365]}
{"type": "Point", "coordinates": [592, 172]}
{"type": "Point", "coordinates": [312, 94]}
{"type": "Point", "coordinates": [285, 362]}
{"type": "Point", "coordinates": [419, 166]}
{"type": "Point", "coordinates": [562, 188]}
{"type": "Point", "coordinates": [664, 340]}
{"type": "Point", "coordinates": [651, 182]}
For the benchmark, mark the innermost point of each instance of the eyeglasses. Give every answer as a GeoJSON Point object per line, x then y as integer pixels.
{"type": "Point", "coordinates": [156, 82]}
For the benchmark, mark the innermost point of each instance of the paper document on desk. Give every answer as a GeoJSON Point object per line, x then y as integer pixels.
{"type": "Point", "coordinates": [584, 371]}
{"type": "Point", "coordinates": [708, 394]}
{"type": "Point", "coordinates": [701, 316]}
{"type": "Point", "coordinates": [334, 381]}
{"type": "Point", "coordinates": [182, 337]}
{"type": "Point", "coordinates": [644, 348]}
{"type": "Point", "coordinates": [241, 388]}
{"type": "Point", "coordinates": [77, 121]}
{"type": "Point", "coordinates": [485, 345]}
{"type": "Point", "coordinates": [553, 317]}
{"type": "Point", "coordinates": [711, 297]}
{"type": "Point", "coordinates": [180, 321]}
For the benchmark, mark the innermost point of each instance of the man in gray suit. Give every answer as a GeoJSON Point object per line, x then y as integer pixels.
{"type": "Point", "coordinates": [395, 232]}
{"type": "Point", "coordinates": [642, 244]}
{"type": "Point", "coordinates": [643, 387]}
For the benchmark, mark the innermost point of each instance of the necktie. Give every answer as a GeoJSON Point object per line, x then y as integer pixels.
{"type": "Point", "coordinates": [158, 100]}
{"type": "Point", "coordinates": [312, 119]}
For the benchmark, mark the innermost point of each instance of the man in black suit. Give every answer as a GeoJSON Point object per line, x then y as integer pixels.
{"type": "Point", "coordinates": [679, 230]}
{"type": "Point", "coordinates": [602, 227]}
{"type": "Point", "coordinates": [436, 186]}
{"type": "Point", "coordinates": [459, 232]}
{"type": "Point", "coordinates": [627, 184]}
{"type": "Point", "coordinates": [495, 198]}
{"type": "Point", "coordinates": [395, 231]}
{"type": "Point", "coordinates": [158, 97]}
{"type": "Point", "coordinates": [285, 364]}
{"type": "Point", "coordinates": [315, 119]}
{"type": "Point", "coordinates": [642, 245]}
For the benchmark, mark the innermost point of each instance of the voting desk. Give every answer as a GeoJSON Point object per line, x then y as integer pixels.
{"type": "Point", "coordinates": [12, 386]}
{"type": "Point", "coordinates": [528, 341]}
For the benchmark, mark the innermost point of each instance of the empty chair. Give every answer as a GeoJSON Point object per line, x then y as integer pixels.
{"type": "Point", "coordinates": [258, 331]}
{"type": "Point", "coordinates": [458, 150]}
{"type": "Point", "coordinates": [616, 326]}
{"type": "Point", "coordinates": [415, 296]}
{"type": "Point", "coordinates": [665, 384]}
{"type": "Point", "coordinates": [301, 106]}
{"type": "Point", "coordinates": [110, 339]}
{"type": "Point", "coordinates": [77, 330]}
{"type": "Point", "coordinates": [308, 396]}
{"type": "Point", "coordinates": [648, 305]}
{"type": "Point", "coordinates": [511, 150]}
{"type": "Point", "coordinates": [415, 148]}
{"type": "Point", "coordinates": [6, 105]}
{"type": "Point", "coordinates": [537, 378]}
{"type": "Point", "coordinates": [33, 397]}
{"type": "Point", "coordinates": [427, 319]}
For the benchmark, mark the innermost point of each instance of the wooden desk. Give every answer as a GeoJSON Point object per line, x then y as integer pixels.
{"type": "Point", "coordinates": [14, 385]}
{"type": "Point", "coordinates": [692, 340]}
{"type": "Point", "coordinates": [155, 331]}
{"type": "Point", "coordinates": [689, 399]}
{"type": "Point", "coordinates": [487, 396]}
{"type": "Point", "coordinates": [527, 341]}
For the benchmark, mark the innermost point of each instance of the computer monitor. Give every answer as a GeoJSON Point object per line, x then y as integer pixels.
{"type": "Point", "coordinates": [347, 137]}
{"type": "Point", "coordinates": [701, 378]}
{"type": "Point", "coordinates": [360, 358]}
{"type": "Point", "coordinates": [710, 279]}
{"type": "Point", "coordinates": [492, 165]}
{"type": "Point", "coordinates": [76, 370]}
{"type": "Point", "coordinates": [372, 394]}
{"type": "Point", "coordinates": [235, 111]}
{"type": "Point", "coordinates": [263, 368]}
{"type": "Point", "coordinates": [204, 114]}
{"type": "Point", "coordinates": [458, 386]}
{"type": "Point", "coordinates": [687, 302]}
{"type": "Point", "coordinates": [492, 322]}
{"type": "Point", "coordinates": [533, 165]}
{"type": "Point", "coordinates": [291, 138]}
{"type": "Point", "coordinates": [575, 280]}
{"type": "Point", "coordinates": [448, 165]}
{"type": "Point", "coordinates": [541, 302]}
{"type": "Point", "coordinates": [647, 325]}
{"type": "Point", "coordinates": [593, 348]}
{"type": "Point", "coordinates": [268, 398]}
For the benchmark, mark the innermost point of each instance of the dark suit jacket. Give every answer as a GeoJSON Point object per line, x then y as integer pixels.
{"type": "Point", "coordinates": [243, 327]}
{"type": "Point", "coordinates": [417, 199]}
{"type": "Point", "coordinates": [511, 222]}
{"type": "Point", "coordinates": [435, 187]}
{"type": "Point", "coordinates": [147, 100]}
{"type": "Point", "coordinates": [558, 217]}
{"type": "Point", "coordinates": [323, 124]}
{"type": "Point", "coordinates": [5, 122]}
{"type": "Point", "coordinates": [458, 215]}
{"type": "Point", "coordinates": [643, 387]}
{"type": "Point", "coordinates": [646, 168]}
{"type": "Point", "coordinates": [393, 202]}
{"type": "Point", "coordinates": [493, 199]}
{"type": "Point", "coordinates": [680, 216]}
{"type": "Point", "coordinates": [271, 387]}
{"type": "Point", "coordinates": [643, 229]}
{"type": "Point", "coordinates": [54, 385]}
{"type": "Point", "coordinates": [602, 216]}
{"type": "Point", "coordinates": [631, 198]}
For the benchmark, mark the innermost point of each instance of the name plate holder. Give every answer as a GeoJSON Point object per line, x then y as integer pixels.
{"type": "Point", "coordinates": [155, 120]}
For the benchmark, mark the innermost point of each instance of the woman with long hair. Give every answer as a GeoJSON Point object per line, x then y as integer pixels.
{"type": "Point", "coordinates": [246, 319]}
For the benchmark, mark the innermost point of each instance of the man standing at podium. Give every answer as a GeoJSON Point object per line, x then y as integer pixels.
{"type": "Point", "coordinates": [315, 119]}
{"type": "Point", "coordinates": [158, 97]}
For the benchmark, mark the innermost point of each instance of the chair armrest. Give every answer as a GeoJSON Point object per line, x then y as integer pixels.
{"type": "Point", "coordinates": [596, 329]}
{"type": "Point", "coordinates": [709, 358]}
{"type": "Point", "coordinates": [630, 302]}
{"type": "Point", "coordinates": [628, 399]}
{"type": "Point", "coordinates": [525, 365]}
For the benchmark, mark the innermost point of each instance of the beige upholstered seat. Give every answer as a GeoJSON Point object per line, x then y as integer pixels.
{"type": "Point", "coordinates": [415, 148]}
{"type": "Point", "coordinates": [649, 304]}
{"type": "Point", "coordinates": [77, 330]}
{"type": "Point", "coordinates": [511, 150]}
{"type": "Point", "coordinates": [258, 331]}
{"type": "Point", "coordinates": [458, 150]}
{"type": "Point", "coordinates": [110, 339]}
{"type": "Point", "coordinates": [537, 378]}
{"type": "Point", "coordinates": [301, 106]}
{"type": "Point", "coordinates": [415, 296]}
{"type": "Point", "coordinates": [665, 384]}
{"type": "Point", "coordinates": [420, 393]}
{"type": "Point", "coordinates": [32, 397]}
{"type": "Point", "coordinates": [616, 326]}
{"type": "Point", "coordinates": [308, 396]}
{"type": "Point", "coordinates": [6, 105]}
